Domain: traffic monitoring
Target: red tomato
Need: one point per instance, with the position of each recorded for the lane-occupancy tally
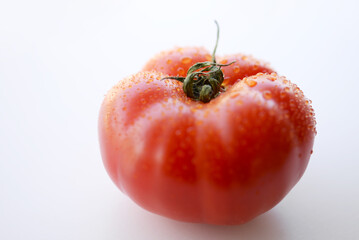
(221, 162)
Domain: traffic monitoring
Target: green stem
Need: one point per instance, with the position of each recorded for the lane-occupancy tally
(204, 79)
(215, 47)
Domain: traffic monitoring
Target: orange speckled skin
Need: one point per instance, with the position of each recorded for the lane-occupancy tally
(243, 66)
(223, 162)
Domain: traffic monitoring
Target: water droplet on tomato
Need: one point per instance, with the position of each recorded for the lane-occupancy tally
(267, 94)
(186, 60)
(224, 61)
(236, 69)
(286, 89)
(251, 83)
(271, 78)
(239, 102)
(169, 61)
(181, 71)
(234, 95)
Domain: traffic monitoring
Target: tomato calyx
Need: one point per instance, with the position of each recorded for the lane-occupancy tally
(204, 79)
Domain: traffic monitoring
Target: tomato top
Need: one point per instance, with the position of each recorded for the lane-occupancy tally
(177, 61)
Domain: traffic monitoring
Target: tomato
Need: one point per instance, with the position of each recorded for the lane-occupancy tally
(223, 161)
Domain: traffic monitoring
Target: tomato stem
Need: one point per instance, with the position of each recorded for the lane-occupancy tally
(204, 79)
(215, 47)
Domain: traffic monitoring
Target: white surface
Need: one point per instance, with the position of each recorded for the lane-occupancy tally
(59, 58)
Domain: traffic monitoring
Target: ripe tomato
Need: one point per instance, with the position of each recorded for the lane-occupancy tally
(221, 162)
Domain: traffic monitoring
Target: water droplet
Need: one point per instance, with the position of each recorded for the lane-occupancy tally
(286, 89)
(181, 71)
(224, 61)
(236, 69)
(169, 61)
(234, 95)
(251, 83)
(239, 102)
(271, 78)
(186, 60)
(149, 81)
(267, 94)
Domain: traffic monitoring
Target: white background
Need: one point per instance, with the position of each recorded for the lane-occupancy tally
(59, 58)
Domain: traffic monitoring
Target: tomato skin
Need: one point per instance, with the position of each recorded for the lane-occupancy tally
(243, 66)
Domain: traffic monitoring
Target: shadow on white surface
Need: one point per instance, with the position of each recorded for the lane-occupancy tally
(145, 225)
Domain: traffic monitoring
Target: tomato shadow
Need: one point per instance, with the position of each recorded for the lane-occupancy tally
(267, 226)
(141, 224)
